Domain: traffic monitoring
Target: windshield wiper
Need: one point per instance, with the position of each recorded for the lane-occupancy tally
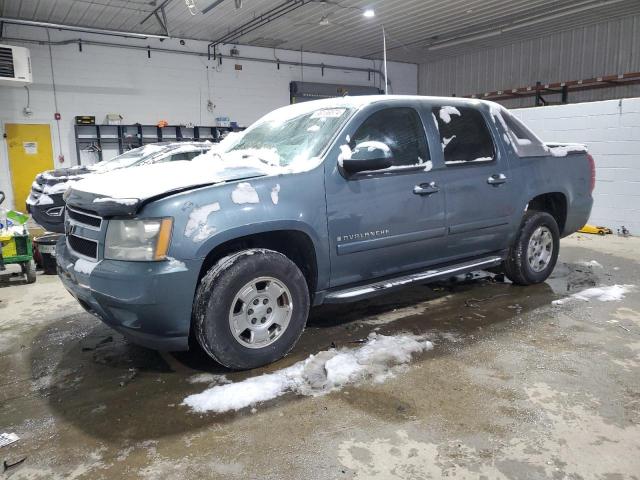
(263, 160)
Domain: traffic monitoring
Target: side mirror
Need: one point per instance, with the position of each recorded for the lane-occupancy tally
(368, 156)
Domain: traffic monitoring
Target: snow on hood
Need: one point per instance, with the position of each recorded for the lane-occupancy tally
(62, 174)
(149, 181)
(54, 182)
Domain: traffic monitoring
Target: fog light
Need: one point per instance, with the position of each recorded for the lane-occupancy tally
(55, 211)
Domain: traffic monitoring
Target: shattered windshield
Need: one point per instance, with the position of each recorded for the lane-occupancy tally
(129, 158)
(291, 136)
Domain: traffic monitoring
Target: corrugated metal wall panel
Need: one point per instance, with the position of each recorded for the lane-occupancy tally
(601, 49)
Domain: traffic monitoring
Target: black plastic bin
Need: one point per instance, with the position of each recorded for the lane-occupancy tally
(46, 246)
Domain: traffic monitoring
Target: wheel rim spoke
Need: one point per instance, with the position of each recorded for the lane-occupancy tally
(274, 290)
(247, 293)
(540, 249)
(260, 312)
(239, 322)
(259, 336)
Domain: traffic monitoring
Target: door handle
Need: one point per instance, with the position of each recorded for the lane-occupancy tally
(497, 179)
(426, 188)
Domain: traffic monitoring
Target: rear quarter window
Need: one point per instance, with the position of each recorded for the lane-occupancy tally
(464, 135)
(524, 141)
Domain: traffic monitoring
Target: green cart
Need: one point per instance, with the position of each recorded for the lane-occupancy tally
(15, 243)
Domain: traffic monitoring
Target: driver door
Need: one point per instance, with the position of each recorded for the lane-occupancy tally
(387, 221)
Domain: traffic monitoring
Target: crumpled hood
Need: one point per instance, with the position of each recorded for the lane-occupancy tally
(51, 177)
(51, 181)
(123, 192)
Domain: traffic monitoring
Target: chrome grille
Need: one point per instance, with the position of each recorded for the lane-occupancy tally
(84, 218)
(83, 246)
(83, 232)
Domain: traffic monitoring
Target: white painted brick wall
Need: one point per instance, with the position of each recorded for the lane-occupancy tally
(611, 131)
(172, 87)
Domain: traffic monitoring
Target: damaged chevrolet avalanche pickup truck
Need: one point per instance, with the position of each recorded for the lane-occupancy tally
(322, 202)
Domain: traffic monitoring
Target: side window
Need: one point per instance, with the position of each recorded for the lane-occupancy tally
(525, 142)
(464, 135)
(518, 130)
(401, 130)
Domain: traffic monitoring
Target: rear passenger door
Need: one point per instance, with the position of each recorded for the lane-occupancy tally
(476, 180)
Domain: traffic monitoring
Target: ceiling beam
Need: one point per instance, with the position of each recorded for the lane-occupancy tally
(259, 21)
(75, 28)
(159, 10)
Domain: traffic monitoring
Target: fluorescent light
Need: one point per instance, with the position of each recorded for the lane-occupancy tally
(458, 41)
(369, 13)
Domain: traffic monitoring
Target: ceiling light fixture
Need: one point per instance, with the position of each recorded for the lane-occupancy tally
(369, 13)
(191, 6)
(518, 25)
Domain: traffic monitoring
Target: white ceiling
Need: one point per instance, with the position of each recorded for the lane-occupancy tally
(417, 30)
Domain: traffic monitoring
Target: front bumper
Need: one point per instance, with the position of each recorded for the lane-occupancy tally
(148, 302)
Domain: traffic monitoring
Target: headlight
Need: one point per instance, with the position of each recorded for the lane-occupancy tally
(138, 240)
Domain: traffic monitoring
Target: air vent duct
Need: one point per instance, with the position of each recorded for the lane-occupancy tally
(15, 66)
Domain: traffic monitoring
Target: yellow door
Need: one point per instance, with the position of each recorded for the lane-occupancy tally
(30, 152)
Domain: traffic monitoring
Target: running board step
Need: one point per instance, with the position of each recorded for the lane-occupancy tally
(383, 286)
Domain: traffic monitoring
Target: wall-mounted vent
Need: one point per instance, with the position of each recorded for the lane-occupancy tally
(6, 63)
(15, 66)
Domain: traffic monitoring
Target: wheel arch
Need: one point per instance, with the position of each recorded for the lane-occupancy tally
(553, 203)
(294, 242)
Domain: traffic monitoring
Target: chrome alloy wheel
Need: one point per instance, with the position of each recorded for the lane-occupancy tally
(260, 312)
(540, 249)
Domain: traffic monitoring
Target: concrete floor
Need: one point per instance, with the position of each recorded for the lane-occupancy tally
(514, 388)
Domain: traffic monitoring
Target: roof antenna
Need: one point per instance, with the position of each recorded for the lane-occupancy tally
(384, 48)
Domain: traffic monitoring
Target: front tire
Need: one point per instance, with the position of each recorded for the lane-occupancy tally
(250, 308)
(534, 253)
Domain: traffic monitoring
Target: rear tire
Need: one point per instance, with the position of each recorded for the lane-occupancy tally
(250, 308)
(534, 253)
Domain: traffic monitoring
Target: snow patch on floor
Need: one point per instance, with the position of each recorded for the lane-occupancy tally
(197, 228)
(603, 294)
(375, 361)
(590, 263)
(208, 378)
(245, 193)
